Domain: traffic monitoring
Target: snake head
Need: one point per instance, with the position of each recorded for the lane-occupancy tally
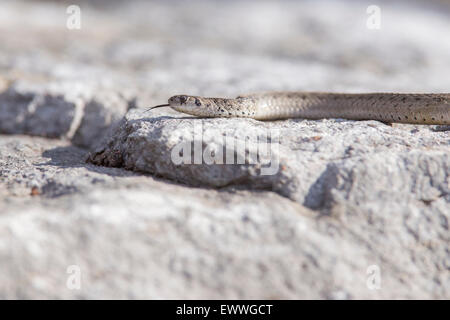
(193, 105)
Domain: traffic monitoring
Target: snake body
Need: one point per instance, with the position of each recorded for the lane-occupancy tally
(419, 108)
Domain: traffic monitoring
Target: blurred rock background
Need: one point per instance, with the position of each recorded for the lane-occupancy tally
(351, 195)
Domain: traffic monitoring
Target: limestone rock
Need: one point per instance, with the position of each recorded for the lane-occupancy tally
(353, 210)
(135, 236)
(316, 163)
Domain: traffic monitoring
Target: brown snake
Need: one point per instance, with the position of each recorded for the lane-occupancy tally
(420, 108)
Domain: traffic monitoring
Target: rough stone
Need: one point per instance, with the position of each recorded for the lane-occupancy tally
(351, 203)
(101, 114)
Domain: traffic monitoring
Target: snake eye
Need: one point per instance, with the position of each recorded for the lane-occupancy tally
(183, 99)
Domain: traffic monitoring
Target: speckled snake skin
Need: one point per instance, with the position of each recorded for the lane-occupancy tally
(418, 108)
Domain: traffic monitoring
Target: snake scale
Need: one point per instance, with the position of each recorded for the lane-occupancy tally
(420, 108)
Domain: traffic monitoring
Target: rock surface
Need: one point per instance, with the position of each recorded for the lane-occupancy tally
(347, 204)
(135, 236)
(60, 111)
(316, 163)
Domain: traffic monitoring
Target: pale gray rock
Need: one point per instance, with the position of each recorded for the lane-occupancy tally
(37, 114)
(81, 114)
(100, 115)
(352, 202)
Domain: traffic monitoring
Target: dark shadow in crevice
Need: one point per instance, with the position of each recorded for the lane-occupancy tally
(440, 128)
(74, 157)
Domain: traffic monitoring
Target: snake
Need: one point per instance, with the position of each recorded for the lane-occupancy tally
(414, 108)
